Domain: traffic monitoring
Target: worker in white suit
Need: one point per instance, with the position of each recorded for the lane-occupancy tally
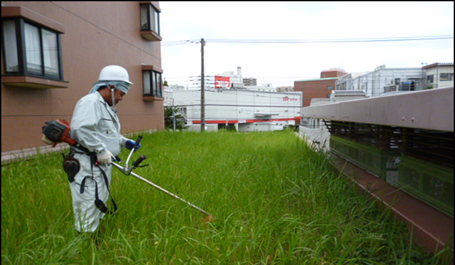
(96, 127)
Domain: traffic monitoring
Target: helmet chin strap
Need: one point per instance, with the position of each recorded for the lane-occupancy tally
(113, 100)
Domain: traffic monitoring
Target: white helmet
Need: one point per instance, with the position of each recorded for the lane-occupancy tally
(114, 73)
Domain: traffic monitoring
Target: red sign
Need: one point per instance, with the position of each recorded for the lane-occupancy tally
(289, 99)
(222, 81)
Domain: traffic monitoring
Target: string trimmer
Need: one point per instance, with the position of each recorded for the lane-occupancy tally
(57, 131)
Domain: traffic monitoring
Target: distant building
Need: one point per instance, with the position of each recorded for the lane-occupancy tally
(263, 87)
(244, 109)
(334, 72)
(285, 89)
(383, 80)
(250, 81)
(380, 82)
(224, 80)
(438, 75)
(195, 82)
(320, 87)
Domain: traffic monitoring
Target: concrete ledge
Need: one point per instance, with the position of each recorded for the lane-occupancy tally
(425, 109)
(10, 156)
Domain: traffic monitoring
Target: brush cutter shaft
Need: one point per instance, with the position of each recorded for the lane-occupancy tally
(161, 189)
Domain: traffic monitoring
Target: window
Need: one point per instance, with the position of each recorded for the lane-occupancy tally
(31, 50)
(153, 83)
(329, 87)
(10, 46)
(446, 77)
(430, 79)
(150, 22)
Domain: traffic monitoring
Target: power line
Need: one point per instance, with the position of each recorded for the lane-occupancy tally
(278, 41)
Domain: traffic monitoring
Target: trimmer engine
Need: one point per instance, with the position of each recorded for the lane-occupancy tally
(58, 131)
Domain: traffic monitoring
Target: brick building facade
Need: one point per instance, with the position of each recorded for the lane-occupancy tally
(318, 88)
(53, 52)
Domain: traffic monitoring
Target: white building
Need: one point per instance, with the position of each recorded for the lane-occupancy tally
(246, 110)
(439, 75)
(383, 80)
(224, 80)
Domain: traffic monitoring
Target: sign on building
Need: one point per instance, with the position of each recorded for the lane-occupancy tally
(222, 82)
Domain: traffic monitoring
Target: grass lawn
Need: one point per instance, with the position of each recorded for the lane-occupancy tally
(274, 201)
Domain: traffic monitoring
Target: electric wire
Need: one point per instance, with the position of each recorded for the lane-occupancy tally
(282, 41)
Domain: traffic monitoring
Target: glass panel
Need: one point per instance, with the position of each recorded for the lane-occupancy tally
(32, 49)
(160, 85)
(154, 83)
(10, 44)
(50, 52)
(144, 17)
(146, 77)
(446, 76)
(154, 20)
(157, 22)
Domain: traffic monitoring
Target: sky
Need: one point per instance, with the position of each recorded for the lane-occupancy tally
(298, 40)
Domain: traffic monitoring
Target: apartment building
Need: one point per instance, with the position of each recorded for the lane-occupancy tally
(53, 52)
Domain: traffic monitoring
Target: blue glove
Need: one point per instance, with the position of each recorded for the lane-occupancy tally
(130, 144)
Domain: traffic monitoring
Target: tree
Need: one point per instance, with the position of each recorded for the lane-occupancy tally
(171, 113)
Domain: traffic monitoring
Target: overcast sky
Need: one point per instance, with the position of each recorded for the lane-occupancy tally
(282, 63)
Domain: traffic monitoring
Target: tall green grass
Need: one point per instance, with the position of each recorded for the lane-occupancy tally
(274, 201)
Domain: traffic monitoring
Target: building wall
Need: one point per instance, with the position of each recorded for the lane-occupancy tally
(285, 88)
(435, 70)
(243, 108)
(250, 81)
(375, 83)
(96, 34)
(317, 88)
(333, 73)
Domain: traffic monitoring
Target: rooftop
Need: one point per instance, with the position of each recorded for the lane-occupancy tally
(317, 79)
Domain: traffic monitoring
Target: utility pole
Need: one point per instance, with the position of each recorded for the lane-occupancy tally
(202, 87)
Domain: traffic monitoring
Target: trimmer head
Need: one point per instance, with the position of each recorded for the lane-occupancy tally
(208, 219)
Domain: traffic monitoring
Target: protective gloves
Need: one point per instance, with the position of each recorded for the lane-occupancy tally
(105, 158)
(130, 144)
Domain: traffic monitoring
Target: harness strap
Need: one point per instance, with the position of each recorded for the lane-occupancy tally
(99, 203)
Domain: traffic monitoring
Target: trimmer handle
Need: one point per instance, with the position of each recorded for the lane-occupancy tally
(139, 160)
(139, 138)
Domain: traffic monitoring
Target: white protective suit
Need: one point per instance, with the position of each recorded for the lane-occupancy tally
(96, 127)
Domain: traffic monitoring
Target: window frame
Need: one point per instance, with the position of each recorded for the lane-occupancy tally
(22, 78)
(23, 68)
(149, 33)
(446, 77)
(154, 86)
